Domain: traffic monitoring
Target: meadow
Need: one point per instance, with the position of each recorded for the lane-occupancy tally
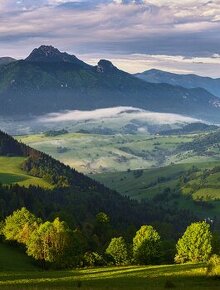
(147, 183)
(11, 172)
(95, 153)
(18, 272)
(194, 194)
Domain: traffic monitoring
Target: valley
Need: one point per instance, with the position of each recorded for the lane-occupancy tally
(96, 153)
(109, 145)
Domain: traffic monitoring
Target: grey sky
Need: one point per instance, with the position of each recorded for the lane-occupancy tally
(180, 36)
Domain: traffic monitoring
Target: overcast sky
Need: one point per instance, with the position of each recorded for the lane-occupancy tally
(174, 35)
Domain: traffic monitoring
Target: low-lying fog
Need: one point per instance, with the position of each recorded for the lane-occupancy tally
(110, 120)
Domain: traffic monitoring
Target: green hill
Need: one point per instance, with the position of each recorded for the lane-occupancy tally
(192, 186)
(75, 198)
(11, 172)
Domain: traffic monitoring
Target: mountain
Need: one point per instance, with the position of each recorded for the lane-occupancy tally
(49, 54)
(50, 81)
(6, 60)
(186, 80)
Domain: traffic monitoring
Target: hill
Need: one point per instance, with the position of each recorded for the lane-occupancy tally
(194, 187)
(185, 80)
(11, 173)
(75, 198)
(190, 129)
(50, 81)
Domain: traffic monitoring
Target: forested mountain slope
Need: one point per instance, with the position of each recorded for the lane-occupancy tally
(50, 81)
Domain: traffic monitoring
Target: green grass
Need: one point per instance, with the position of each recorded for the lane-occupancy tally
(18, 272)
(109, 153)
(11, 172)
(153, 181)
(14, 259)
(147, 185)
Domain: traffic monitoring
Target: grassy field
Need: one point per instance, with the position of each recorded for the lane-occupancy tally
(146, 184)
(111, 153)
(11, 172)
(18, 272)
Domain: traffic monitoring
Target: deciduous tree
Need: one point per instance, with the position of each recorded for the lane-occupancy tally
(146, 245)
(195, 245)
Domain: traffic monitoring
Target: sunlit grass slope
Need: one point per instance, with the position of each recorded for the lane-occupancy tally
(11, 173)
(185, 277)
(109, 153)
(146, 184)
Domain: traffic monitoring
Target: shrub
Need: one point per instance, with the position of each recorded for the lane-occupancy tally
(91, 259)
(213, 268)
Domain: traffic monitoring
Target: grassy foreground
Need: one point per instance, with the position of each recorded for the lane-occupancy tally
(151, 277)
(17, 271)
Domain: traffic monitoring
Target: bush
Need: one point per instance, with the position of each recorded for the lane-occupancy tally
(213, 268)
(91, 259)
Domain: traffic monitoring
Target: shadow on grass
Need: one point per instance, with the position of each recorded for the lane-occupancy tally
(152, 277)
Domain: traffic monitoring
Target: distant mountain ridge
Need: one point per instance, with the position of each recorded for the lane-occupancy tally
(185, 80)
(50, 81)
(6, 60)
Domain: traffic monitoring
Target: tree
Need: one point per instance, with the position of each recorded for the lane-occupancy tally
(102, 229)
(102, 218)
(20, 225)
(146, 245)
(195, 245)
(49, 242)
(117, 249)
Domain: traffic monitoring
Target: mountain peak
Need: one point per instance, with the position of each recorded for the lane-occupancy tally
(48, 53)
(105, 66)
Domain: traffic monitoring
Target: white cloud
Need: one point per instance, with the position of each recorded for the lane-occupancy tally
(117, 112)
(135, 63)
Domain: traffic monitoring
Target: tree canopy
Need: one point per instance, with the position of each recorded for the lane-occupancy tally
(118, 250)
(146, 245)
(195, 245)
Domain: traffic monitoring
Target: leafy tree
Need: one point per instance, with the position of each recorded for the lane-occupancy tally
(20, 225)
(102, 229)
(195, 245)
(49, 242)
(118, 250)
(146, 245)
(102, 218)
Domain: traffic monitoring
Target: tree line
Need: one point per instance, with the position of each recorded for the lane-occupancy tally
(54, 243)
